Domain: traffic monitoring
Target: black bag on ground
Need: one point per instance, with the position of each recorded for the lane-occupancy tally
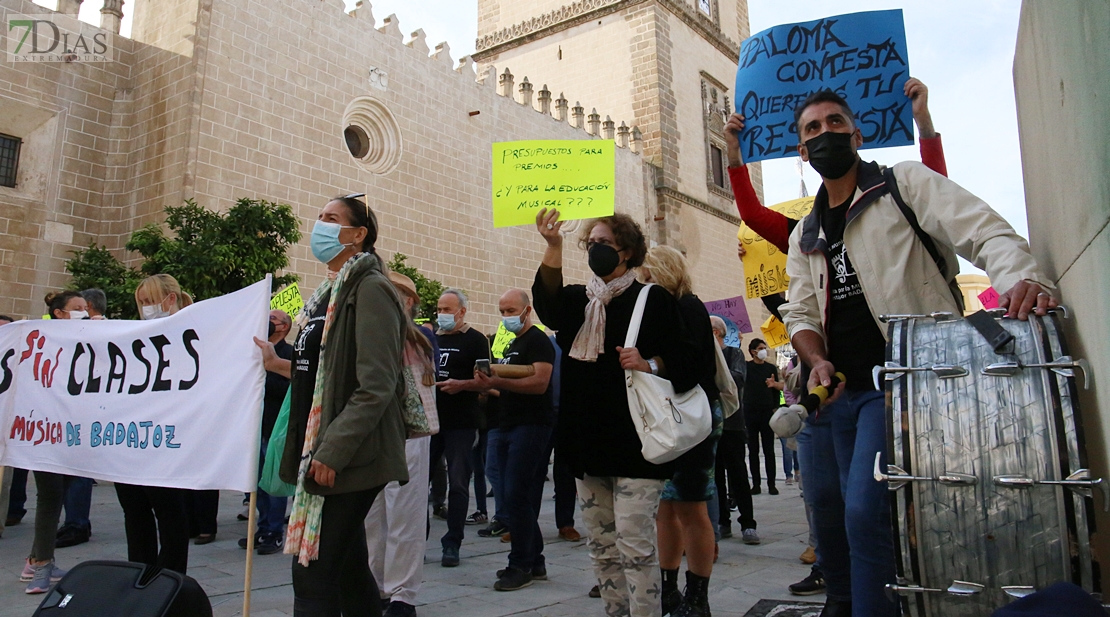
(124, 589)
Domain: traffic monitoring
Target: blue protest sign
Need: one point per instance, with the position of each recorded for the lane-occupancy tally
(861, 56)
(732, 332)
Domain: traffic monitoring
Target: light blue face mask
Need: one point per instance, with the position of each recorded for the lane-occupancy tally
(325, 240)
(514, 323)
(445, 321)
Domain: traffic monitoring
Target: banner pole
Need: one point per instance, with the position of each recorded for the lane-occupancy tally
(251, 523)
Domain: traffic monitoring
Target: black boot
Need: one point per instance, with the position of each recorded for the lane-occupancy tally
(671, 596)
(837, 608)
(695, 603)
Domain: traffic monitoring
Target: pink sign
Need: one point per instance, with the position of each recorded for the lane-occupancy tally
(989, 298)
(732, 309)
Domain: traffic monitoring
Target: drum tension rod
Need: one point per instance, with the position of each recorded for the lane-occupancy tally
(1079, 482)
(1064, 366)
(957, 588)
(942, 316)
(891, 371)
(897, 477)
(1019, 591)
(939, 316)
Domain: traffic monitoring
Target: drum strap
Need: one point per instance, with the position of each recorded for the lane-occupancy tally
(996, 336)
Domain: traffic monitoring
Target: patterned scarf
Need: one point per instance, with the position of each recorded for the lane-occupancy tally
(590, 340)
(303, 536)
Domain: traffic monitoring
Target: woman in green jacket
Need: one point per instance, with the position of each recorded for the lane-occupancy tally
(346, 436)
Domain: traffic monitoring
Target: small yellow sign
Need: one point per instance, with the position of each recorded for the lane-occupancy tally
(577, 177)
(502, 339)
(774, 332)
(765, 264)
(288, 300)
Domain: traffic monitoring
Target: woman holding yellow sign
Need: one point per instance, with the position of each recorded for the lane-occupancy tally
(618, 488)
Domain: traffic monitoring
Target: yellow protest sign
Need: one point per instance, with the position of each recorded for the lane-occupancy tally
(765, 264)
(502, 339)
(574, 176)
(288, 300)
(774, 332)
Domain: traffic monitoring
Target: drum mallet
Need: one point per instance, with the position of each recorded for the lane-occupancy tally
(788, 421)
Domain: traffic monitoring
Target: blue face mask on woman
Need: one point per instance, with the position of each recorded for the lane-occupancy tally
(325, 240)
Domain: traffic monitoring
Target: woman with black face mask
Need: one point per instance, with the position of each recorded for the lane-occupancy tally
(619, 490)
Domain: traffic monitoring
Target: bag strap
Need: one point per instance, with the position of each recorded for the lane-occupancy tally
(996, 336)
(924, 238)
(637, 316)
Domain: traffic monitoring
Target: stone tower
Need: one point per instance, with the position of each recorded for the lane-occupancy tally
(668, 65)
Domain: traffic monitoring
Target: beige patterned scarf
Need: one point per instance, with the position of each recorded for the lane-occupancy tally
(590, 340)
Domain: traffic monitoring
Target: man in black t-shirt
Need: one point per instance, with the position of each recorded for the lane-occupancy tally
(761, 398)
(523, 380)
(271, 510)
(460, 346)
(878, 242)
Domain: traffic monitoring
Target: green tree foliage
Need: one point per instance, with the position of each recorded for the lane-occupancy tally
(96, 267)
(429, 289)
(209, 253)
(212, 254)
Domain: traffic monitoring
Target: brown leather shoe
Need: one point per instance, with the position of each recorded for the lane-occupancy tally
(506, 538)
(570, 534)
(808, 556)
(204, 538)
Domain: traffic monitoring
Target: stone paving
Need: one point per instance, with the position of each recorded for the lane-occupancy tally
(744, 575)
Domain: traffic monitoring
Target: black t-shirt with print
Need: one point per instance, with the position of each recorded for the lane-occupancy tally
(306, 358)
(457, 353)
(516, 408)
(758, 396)
(856, 344)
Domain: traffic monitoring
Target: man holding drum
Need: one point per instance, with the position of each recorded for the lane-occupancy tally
(855, 257)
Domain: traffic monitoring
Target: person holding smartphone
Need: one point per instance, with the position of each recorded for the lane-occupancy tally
(523, 380)
(460, 346)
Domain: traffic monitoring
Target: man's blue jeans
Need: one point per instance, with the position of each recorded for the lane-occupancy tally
(78, 503)
(493, 472)
(523, 451)
(852, 510)
(271, 510)
(457, 444)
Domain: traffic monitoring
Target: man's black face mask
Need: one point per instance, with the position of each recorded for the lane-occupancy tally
(831, 155)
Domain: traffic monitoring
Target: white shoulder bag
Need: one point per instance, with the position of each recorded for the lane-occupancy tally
(668, 424)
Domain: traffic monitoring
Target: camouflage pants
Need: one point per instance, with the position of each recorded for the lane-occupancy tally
(619, 514)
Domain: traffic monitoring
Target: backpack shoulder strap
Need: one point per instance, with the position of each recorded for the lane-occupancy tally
(925, 239)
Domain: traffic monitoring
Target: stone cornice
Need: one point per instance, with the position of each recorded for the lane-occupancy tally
(580, 12)
(704, 26)
(669, 193)
(713, 80)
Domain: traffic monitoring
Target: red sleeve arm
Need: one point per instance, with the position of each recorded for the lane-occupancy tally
(771, 225)
(932, 155)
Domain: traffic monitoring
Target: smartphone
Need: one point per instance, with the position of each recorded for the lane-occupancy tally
(482, 366)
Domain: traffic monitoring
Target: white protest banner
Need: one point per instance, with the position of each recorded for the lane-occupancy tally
(174, 402)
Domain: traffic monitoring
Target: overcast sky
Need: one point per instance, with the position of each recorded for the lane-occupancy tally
(962, 50)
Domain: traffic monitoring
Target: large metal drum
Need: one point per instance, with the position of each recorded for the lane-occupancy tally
(991, 498)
